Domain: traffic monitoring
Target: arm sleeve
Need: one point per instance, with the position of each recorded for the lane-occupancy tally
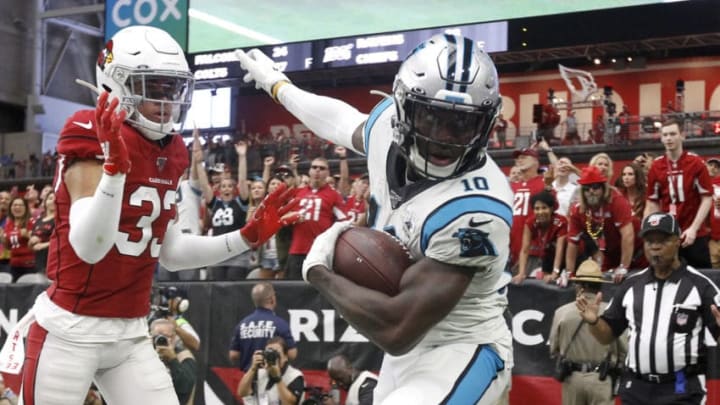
(365, 393)
(185, 251)
(614, 313)
(297, 387)
(94, 220)
(331, 119)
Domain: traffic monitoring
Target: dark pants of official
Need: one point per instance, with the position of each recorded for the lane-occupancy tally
(634, 391)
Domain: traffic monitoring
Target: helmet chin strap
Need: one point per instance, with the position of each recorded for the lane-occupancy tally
(149, 129)
(423, 166)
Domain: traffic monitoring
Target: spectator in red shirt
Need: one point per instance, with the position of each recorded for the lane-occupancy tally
(15, 237)
(320, 206)
(530, 183)
(679, 184)
(356, 205)
(713, 165)
(601, 223)
(43, 228)
(543, 244)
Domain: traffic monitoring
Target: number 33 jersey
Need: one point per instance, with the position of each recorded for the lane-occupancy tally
(463, 221)
(119, 284)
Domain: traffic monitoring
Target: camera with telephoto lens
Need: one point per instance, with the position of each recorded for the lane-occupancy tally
(314, 396)
(160, 340)
(271, 356)
(161, 300)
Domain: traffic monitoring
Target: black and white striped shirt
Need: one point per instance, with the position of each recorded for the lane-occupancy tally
(670, 320)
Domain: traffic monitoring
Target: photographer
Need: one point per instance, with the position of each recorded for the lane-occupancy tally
(181, 365)
(582, 364)
(270, 379)
(359, 385)
(170, 303)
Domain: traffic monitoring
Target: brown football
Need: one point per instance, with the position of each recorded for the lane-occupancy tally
(371, 258)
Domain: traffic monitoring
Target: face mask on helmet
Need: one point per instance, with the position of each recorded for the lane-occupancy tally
(146, 69)
(447, 99)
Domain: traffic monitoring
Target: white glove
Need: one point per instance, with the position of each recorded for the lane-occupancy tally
(322, 251)
(261, 69)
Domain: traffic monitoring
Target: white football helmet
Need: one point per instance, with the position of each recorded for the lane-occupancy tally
(447, 98)
(146, 69)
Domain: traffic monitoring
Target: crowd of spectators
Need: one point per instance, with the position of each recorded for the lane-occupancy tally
(564, 216)
(604, 210)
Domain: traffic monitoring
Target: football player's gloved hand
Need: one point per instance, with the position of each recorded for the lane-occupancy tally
(109, 122)
(261, 69)
(274, 212)
(322, 251)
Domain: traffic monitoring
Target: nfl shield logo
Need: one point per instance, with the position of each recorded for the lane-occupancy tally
(160, 163)
(681, 319)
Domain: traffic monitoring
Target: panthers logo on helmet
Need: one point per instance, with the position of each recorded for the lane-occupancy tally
(106, 55)
(474, 242)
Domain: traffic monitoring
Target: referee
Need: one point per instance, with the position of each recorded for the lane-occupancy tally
(667, 308)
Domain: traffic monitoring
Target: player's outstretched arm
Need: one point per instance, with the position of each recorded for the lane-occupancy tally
(181, 251)
(96, 188)
(396, 324)
(331, 119)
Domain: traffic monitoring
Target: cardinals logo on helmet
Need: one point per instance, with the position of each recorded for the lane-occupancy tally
(106, 55)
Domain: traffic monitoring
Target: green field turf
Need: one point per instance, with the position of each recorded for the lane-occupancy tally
(282, 21)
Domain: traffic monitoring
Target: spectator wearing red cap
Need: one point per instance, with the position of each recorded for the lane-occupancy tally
(530, 183)
(679, 184)
(601, 223)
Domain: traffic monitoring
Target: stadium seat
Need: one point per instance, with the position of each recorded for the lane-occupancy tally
(32, 278)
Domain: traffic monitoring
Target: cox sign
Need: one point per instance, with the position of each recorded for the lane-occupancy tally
(169, 15)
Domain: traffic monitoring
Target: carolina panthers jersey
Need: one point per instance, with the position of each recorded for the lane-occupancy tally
(463, 221)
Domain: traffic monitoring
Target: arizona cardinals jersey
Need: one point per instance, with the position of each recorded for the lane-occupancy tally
(463, 221)
(679, 187)
(522, 192)
(119, 284)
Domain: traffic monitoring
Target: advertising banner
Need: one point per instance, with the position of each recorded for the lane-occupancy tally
(215, 309)
(169, 15)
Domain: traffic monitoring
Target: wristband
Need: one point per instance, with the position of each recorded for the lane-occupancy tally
(273, 380)
(276, 88)
(594, 323)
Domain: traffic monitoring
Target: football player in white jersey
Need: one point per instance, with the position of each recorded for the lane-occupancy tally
(435, 188)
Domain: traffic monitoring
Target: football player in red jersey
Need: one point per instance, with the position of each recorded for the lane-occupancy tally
(679, 183)
(118, 171)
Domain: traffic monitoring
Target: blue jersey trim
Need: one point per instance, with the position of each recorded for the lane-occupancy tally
(374, 115)
(454, 209)
(476, 379)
